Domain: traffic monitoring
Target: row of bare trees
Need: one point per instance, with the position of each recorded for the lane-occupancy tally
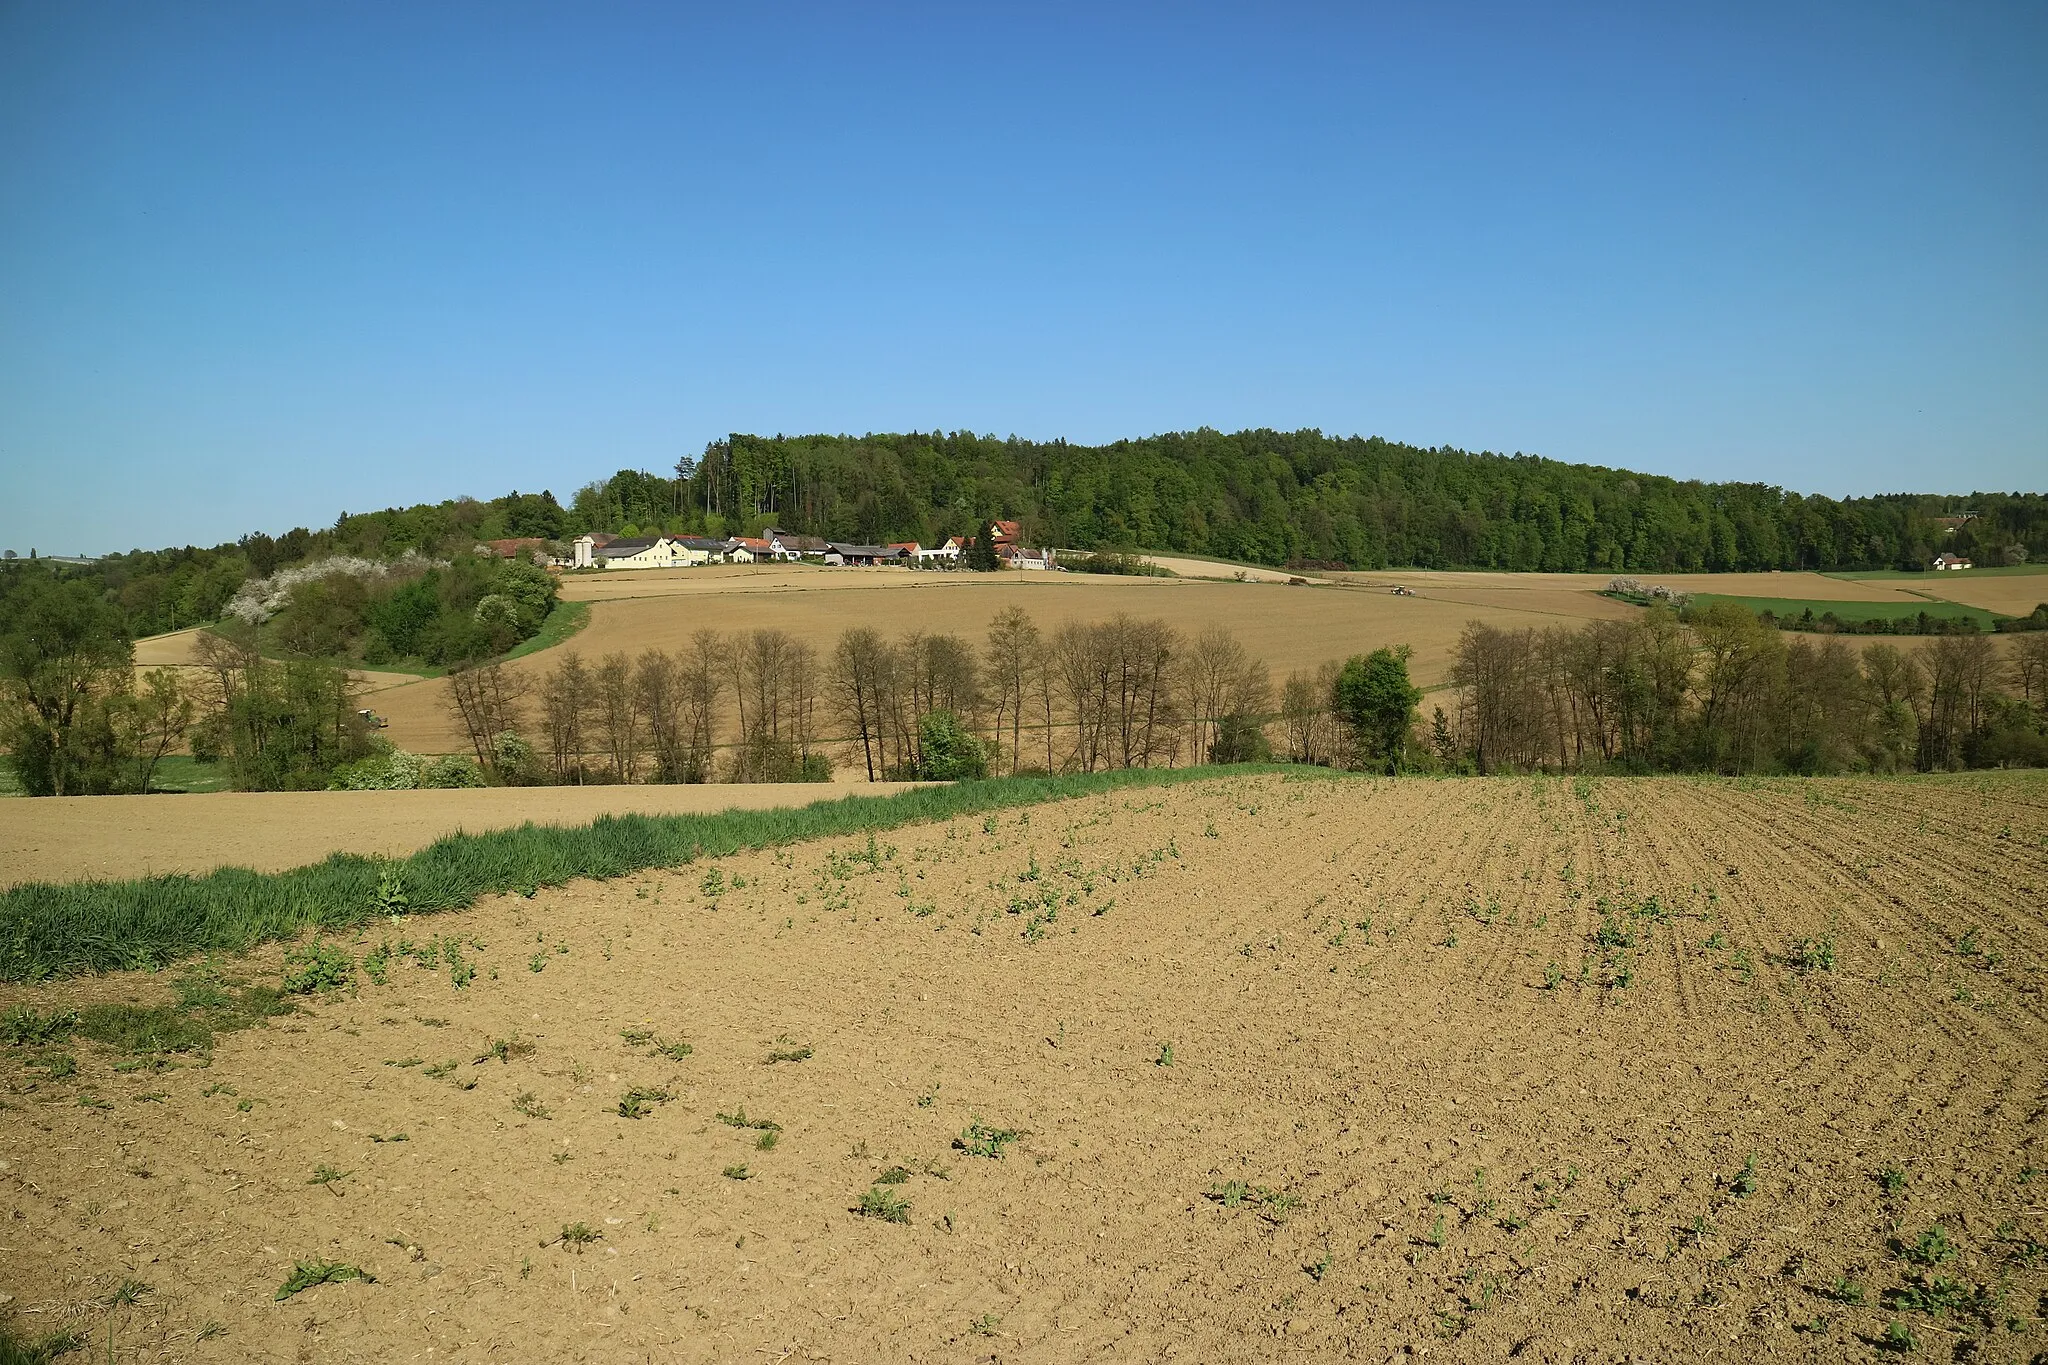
(1726, 692)
(1721, 692)
(757, 705)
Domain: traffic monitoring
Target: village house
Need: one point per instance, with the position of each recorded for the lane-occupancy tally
(747, 549)
(942, 556)
(700, 550)
(640, 552)
(794, 547)
(1017, 557)
(1942, 562)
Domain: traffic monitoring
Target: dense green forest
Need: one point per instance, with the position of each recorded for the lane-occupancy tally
(1274, 497)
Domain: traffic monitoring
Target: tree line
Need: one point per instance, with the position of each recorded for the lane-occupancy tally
(1722, 691)
(1715, 690)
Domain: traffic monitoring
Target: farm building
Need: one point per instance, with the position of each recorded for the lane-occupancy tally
(700, 550)
(1017, 557)
(1950, 562)
(583, 551)
(788, 546)
(747, 549)
(641, 552)
(837, 552)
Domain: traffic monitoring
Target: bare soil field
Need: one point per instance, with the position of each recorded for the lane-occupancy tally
(177, 650)
(2014, 595)
(1262, 1068)
(1288, 626)
(74, 838)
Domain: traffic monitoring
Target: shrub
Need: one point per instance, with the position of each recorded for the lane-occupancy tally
(947, 750)
(1240, 739)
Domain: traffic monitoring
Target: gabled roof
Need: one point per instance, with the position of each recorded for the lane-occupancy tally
(909, 547)
(805, 544)
(700, 543)
(622, 548)
(747, 542)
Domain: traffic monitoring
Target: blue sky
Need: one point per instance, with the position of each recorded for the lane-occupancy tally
(261, 263)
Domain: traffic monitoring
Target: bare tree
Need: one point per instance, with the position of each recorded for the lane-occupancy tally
(565, 712)
(618, 715)
(658, 693)
(1014, 655)
(704, 671)
(1500, 707)
(1221, 680)
(861, 666)
(2030, 668)
(486, 701)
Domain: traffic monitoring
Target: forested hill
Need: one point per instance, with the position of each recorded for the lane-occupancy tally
(1284, 497)
(1265, 496)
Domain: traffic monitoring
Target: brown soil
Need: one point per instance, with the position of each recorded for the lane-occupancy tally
(2008, 594)
(71, 838)
(1379, 1132)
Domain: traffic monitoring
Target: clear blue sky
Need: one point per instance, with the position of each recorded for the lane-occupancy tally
(263, 262)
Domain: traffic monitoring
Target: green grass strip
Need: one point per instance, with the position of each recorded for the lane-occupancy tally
(49, 930)
(563, 620)
(1789, 608)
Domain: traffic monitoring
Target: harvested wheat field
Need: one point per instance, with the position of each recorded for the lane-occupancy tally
(1289, 627)
(1301, 1067)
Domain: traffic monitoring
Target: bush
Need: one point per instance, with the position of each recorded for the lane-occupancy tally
(452, 770)
(397, 770)
(947, 750)
(1240, 739)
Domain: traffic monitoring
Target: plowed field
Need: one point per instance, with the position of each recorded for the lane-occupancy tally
(1256, 1068)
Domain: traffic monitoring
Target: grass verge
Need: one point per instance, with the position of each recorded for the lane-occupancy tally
(49, 930)
(563, 620)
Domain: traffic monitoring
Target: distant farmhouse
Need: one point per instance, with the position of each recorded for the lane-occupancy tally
(599, 550)
(1950, 562)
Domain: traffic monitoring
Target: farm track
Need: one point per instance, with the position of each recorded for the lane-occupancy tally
(1246, 1128)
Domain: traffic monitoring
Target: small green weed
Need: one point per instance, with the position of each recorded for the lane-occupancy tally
(317, 966)
(885, 1204)
(639, 1102)
(307, 1274)
(979, 1139)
